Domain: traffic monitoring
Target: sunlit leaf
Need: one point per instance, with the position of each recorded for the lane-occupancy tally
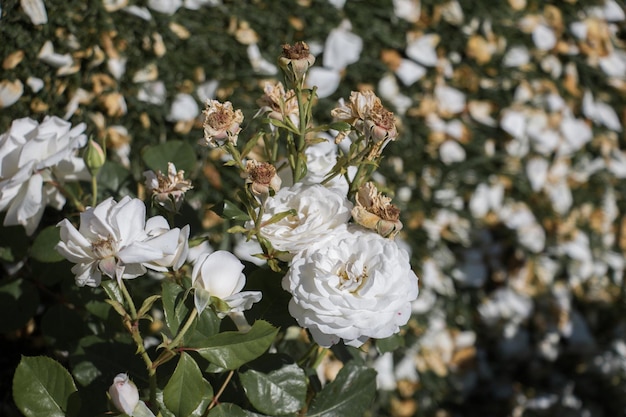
(42, 387)
(230, 350)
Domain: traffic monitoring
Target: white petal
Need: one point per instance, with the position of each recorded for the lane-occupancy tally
(614, 65)
(544, 37)
(260, 64)
(36, 11)
(167, 7)
(140, 12)
(613, 12)
(207, 90)
(184, 107)
(409, 72)
(514, 123)
(537, 172)
(10, 92)
(47, 55)
(326, 80)
(409, 10)
(517, 56)
(423, 50)
(342, 47)
(450, 152)
(449, 100)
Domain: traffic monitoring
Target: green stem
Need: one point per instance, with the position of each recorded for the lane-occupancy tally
(232, 149)
(69, 195)
(136, 335)
(179, 337)
(222, 388)
(94, 190)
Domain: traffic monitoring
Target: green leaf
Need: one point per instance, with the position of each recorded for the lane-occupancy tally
(232, 212)
(112, 178)
(147, 305)
(389, 344)
(278, 217)
(279, 392)
(173, 297)
(340, 126)
(178, 152)
(113, 291)
(19, 300)
(350, 394)
(230, 350)
(205, 326)
(43, 247)
(42, 387)
(185, 390)
(231, 410)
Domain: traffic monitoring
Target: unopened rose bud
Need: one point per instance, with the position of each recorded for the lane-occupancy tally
(295, 61)
(124, 394)
(94, 157)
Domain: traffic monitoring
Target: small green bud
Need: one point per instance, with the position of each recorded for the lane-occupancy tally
(94, 157)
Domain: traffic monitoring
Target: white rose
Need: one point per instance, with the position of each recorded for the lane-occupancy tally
(33, 156)
(353, 286)
(219, 274)
(114, 239)
(318, 213)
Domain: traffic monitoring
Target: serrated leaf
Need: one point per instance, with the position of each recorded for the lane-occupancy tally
(349, 395)
(43, 248)
(185, 390)
(279, 392)
(230, 350)
(178, 152)
(42, 387)
(233, 212)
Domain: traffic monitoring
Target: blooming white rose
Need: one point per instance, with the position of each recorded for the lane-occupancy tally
(352, 286)
(124, 394)
(33, 157)
(219, 274)
(318, 213)
(114, 239)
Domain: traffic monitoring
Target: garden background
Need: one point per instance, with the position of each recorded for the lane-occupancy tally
(509, 170)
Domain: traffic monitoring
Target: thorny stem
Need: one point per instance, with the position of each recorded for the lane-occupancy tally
(222, 388)
(168, 354)
(133, 328)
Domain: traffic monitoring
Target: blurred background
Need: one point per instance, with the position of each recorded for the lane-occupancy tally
(509, 169)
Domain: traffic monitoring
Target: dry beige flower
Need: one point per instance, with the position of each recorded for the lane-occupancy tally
(222, 123)
(262, 176)
(367, 114)
(374, 211)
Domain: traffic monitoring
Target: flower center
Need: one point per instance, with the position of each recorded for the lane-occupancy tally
(352, 277)
(104, 248)
(220, 119)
